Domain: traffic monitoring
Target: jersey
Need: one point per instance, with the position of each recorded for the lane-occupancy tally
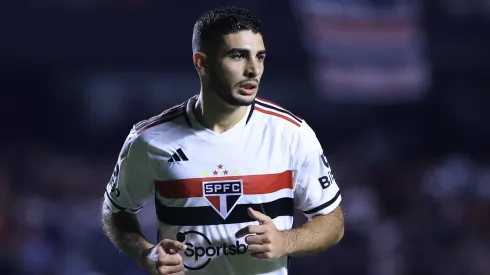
(203, 182)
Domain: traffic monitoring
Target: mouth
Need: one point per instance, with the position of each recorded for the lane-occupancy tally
(248, 88)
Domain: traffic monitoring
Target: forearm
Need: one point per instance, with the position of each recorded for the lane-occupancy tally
(124, 231)
(315, 235)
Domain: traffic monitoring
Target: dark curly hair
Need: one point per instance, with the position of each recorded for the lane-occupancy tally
(214, 24)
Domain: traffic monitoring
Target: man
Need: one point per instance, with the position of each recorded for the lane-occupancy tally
(226, 168)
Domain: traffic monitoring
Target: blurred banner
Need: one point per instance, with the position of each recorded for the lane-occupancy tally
(365, 51)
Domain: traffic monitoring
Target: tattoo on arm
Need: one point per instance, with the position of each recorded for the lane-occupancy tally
(124, 231)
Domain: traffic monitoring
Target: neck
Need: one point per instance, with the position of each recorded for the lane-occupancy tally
(217, 115)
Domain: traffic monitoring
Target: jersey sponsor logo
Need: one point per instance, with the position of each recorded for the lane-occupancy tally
(223, 195)
(200, 250)
(327, 180)
(113, 181)
(324, 160)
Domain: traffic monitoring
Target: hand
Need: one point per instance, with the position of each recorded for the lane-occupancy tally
(164, 259)
(268, 242)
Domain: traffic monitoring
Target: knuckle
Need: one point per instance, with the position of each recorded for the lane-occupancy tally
(162, 270)
(178, 258)
(267, 238)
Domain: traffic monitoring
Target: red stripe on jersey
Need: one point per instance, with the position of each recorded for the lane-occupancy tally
(159, 121)
(277, 115)
(276, 105)
(252, 185)
(161, 115)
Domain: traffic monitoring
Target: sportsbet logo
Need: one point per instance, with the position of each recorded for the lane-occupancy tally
(200, 251)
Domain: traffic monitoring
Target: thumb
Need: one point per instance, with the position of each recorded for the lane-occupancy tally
(172, 245)
(160, 250)
(258, 216)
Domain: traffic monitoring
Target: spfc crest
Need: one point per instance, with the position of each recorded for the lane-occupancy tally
(223, 195)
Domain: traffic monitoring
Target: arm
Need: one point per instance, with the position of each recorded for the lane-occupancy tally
(128, 190)
(316, 235)
(124, 231)
(317, 195)
(125, 195)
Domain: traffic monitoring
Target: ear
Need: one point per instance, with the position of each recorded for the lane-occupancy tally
(200, 62)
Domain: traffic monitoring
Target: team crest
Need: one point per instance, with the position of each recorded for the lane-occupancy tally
(223, 195)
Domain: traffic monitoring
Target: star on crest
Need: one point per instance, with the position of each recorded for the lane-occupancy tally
(221, 171)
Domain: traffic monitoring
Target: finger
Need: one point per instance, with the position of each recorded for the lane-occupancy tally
(172, 244)
(170, 251)
(257, 248)
(258, 216)
(169, 260)
(161, 251)
(254, 239)
(170, 269)
(261, 255)
(251, 229)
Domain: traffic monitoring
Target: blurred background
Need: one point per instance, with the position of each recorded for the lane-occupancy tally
(396, 90)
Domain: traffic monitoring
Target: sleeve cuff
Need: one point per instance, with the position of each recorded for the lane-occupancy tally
(325, 208)
(115, 207)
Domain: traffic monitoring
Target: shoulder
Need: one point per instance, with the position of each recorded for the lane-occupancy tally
(282, 120)
(164, 118)
(144, 131)
(275, 114)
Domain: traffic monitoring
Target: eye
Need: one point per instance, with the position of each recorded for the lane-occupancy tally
(261, 57)
(238, 56)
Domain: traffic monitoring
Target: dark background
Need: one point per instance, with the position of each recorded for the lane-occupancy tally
(397, 92)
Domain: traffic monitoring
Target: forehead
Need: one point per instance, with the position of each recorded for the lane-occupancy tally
(245, 40)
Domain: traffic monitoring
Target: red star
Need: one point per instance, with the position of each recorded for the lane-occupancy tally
(225, 172)
(215, 173)
(220, 166)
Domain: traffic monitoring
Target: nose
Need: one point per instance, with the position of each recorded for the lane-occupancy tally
(252, 69)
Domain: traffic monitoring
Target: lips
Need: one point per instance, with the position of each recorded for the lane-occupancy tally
(248, 88)
(248, 85)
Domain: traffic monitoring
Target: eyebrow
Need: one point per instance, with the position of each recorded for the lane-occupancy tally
(244, 51)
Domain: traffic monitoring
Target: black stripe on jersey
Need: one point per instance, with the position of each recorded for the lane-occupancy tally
(120, 208)
(205, 215)
(251, 111)
(162, 120)
(165, 115)
(323, 206)
(278, 109)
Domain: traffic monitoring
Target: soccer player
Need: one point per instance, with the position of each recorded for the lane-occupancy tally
(226, 169)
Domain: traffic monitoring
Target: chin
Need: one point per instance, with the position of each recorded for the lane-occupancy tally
(245, 100)
(238, 100)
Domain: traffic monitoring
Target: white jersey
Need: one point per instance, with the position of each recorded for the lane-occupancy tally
(204, 182)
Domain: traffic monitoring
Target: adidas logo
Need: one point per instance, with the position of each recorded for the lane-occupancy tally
(178, 156)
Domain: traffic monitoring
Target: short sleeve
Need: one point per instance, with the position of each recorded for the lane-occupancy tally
(130, 185)
(316, 191)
